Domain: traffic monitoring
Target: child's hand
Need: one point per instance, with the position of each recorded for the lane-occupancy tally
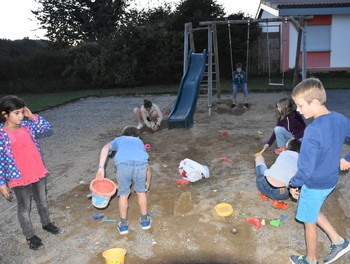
(344, 165)
(100, 174)
(266, 146)
(5, 191)
(155, 128)
(27, 113)
(147, 184)
(294, 192)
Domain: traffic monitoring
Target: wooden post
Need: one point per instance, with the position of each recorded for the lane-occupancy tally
(304, 58)
(190, 32)
(185, 48)
(297, 55)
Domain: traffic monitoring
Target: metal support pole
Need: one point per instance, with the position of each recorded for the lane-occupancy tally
(210, 67)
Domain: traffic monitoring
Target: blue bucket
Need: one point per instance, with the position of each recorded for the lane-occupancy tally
(100, 202)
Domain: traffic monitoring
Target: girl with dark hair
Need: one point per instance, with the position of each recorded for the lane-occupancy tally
(290, 124)
(21, 165)
(149, 114)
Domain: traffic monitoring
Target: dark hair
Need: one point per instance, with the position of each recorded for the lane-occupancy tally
(8, 104)
(131, 131)
(147, 104)
(286, 105)
(294, 145)
(238, 65)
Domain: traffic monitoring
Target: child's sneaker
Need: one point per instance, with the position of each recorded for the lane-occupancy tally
(280, 205)
(123, 228)
(139, 126)
(246, 106)
(50, 227)
(146, 224)
(300, 260)
(233, 106)
(35, 243)
(263, 196)
(336, 251)
(281, 149)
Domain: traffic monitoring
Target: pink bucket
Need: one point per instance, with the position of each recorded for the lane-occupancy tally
(102, 191)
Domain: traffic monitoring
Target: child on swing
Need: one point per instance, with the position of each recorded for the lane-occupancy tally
(239, 78)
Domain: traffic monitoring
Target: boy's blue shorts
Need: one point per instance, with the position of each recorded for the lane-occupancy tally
(310, 202)
(131, 172)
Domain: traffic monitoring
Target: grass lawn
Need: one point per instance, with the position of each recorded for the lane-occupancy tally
(37, 102)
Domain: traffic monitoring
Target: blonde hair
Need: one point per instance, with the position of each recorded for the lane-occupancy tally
(309, 89)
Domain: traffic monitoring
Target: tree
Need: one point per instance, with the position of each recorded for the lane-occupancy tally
(197, 10)
(75, 21)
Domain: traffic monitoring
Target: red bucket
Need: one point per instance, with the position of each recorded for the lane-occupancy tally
(103, 188)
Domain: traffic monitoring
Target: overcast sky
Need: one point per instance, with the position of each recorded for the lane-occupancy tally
(17, 21)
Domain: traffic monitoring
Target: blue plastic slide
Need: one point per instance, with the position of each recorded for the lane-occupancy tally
(182, 114)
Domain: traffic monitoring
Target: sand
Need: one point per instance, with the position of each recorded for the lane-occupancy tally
(185, 226)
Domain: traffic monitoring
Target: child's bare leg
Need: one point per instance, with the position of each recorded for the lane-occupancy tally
(154, 116)
(259, 160)
(123, 206)
(311, 241)
(137, 113)
(142, 200)
(323, 222)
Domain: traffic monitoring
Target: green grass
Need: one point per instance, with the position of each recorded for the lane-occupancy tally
(37, 102)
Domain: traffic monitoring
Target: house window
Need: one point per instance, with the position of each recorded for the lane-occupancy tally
(318, 38)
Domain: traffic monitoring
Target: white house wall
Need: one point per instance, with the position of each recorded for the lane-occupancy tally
(340, 41)
(273, 26)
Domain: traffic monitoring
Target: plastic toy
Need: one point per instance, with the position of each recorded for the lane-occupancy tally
(182, 182)
(260, 153)
(224, 209)
(255, 222)
(147, 146)
(226, 159)
(109, 220)
(225, 133)
(97, 216)
(260, 133)
(277, 222)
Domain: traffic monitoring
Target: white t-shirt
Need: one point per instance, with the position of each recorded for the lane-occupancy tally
(285, 167)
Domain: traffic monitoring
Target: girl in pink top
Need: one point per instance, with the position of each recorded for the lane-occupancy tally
(21, 165)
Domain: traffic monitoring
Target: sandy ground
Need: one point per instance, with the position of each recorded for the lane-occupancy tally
(185, 227)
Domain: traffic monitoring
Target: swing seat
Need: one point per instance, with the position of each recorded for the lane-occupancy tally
(276, 84)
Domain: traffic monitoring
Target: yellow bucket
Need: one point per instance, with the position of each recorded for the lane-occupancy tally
(114, 255)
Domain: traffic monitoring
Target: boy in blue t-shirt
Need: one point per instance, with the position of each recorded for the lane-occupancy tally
(318, 168)
(239, 78)
(131, 164)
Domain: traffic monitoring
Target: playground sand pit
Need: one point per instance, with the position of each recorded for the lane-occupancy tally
(185, 227)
